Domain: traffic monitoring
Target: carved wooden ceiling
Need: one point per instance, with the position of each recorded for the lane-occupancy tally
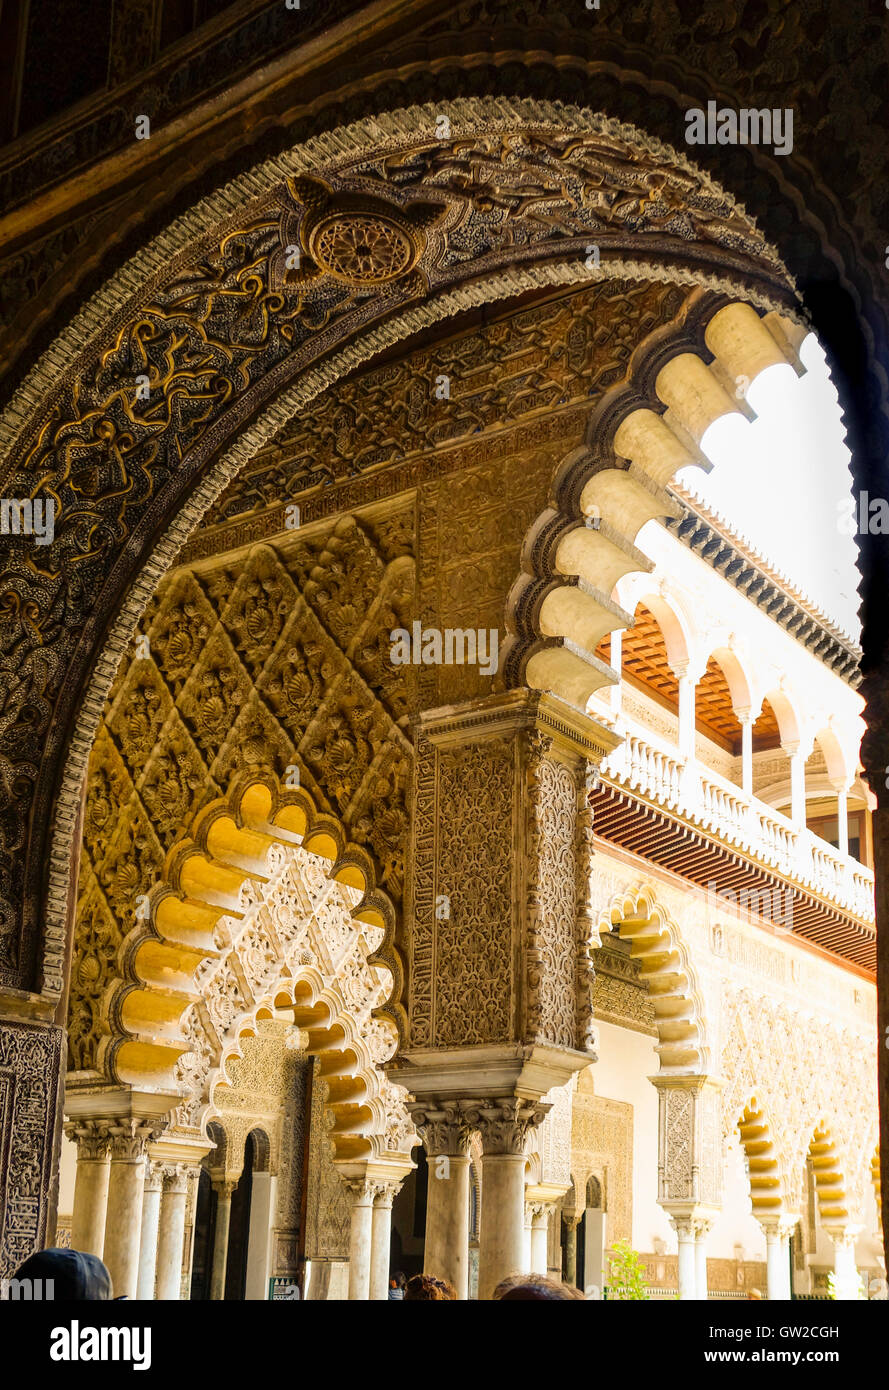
(644, 664)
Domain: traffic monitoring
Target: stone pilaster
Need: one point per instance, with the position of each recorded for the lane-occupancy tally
(501, 973)
(690, 1169)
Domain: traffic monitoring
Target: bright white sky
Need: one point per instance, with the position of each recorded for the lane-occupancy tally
(779, 481)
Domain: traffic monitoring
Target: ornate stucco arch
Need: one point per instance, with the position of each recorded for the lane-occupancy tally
(638, 437)
(249, 863)
(665, 968)
(233, 341)
(800, 1067)
(764, 1162)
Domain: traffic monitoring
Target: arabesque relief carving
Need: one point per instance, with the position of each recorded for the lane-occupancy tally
(275, 662)
(215, 336)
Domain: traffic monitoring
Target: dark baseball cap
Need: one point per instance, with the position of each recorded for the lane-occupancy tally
(74, 1275)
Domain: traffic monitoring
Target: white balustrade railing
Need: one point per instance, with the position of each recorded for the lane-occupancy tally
(645, 764)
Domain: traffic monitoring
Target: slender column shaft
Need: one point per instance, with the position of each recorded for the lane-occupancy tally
(151, 1200)
(844, 1267)
(687, 685)
(90, 1187)
(701, 1261)
(778, 1231)
(361, 1238)
(224, 1192)
(171, 1234)
(123, 1227)
(843, 820)
(571, 1250)
(381, 1230)
(747, 755)
(446, 1250)
(501, 1238)
(797, 785)
(687, 1263)
(616, 662)
(539, 1235)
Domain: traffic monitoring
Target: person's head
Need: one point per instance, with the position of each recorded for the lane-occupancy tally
(535, 1288)
(75, 1276)
(398, 1279)
(754, 1293)
(424, 1288)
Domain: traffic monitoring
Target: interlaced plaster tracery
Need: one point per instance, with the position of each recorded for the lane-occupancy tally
(295, 939)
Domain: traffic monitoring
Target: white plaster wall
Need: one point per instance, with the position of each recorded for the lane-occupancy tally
(736, 1224)
(626, 1060)
(67, 1175)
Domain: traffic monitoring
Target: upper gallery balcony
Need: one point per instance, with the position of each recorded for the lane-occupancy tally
(734, 725)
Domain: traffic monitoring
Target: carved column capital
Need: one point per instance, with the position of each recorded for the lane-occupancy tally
(130, 1139)
(505, 1124)
(361, 1190)
(778, 1225)
(92, 1137)
(442, 1126)
(386, 1192)
(154, 1176)
(224, 1187)
(175, 1178)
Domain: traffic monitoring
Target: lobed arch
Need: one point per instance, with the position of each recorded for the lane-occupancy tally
(667, 973)
(768, 1189)
(829, 1171)
(210, 877)
(639, 436)
(73, 404)
(367, 1117)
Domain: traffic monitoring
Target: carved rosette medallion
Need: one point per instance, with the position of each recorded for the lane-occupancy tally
(356, 239)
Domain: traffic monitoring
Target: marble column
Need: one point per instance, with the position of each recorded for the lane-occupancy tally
(539, 1234)
(571, 1250)
(616, 665)
(684, 1226)
(845, 1272)
(687, 686)
(381, 1232)
(505, 1125)
(778, 1229)
(746, 721)
(151, 1201)
(797, 783)
(702, 1231)
(526, 1240)
(126, 1182)
(362, 1192)
(171, 1233)
(223, 1187)
(446, 1138)
(842, 793)
(91, 1185)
